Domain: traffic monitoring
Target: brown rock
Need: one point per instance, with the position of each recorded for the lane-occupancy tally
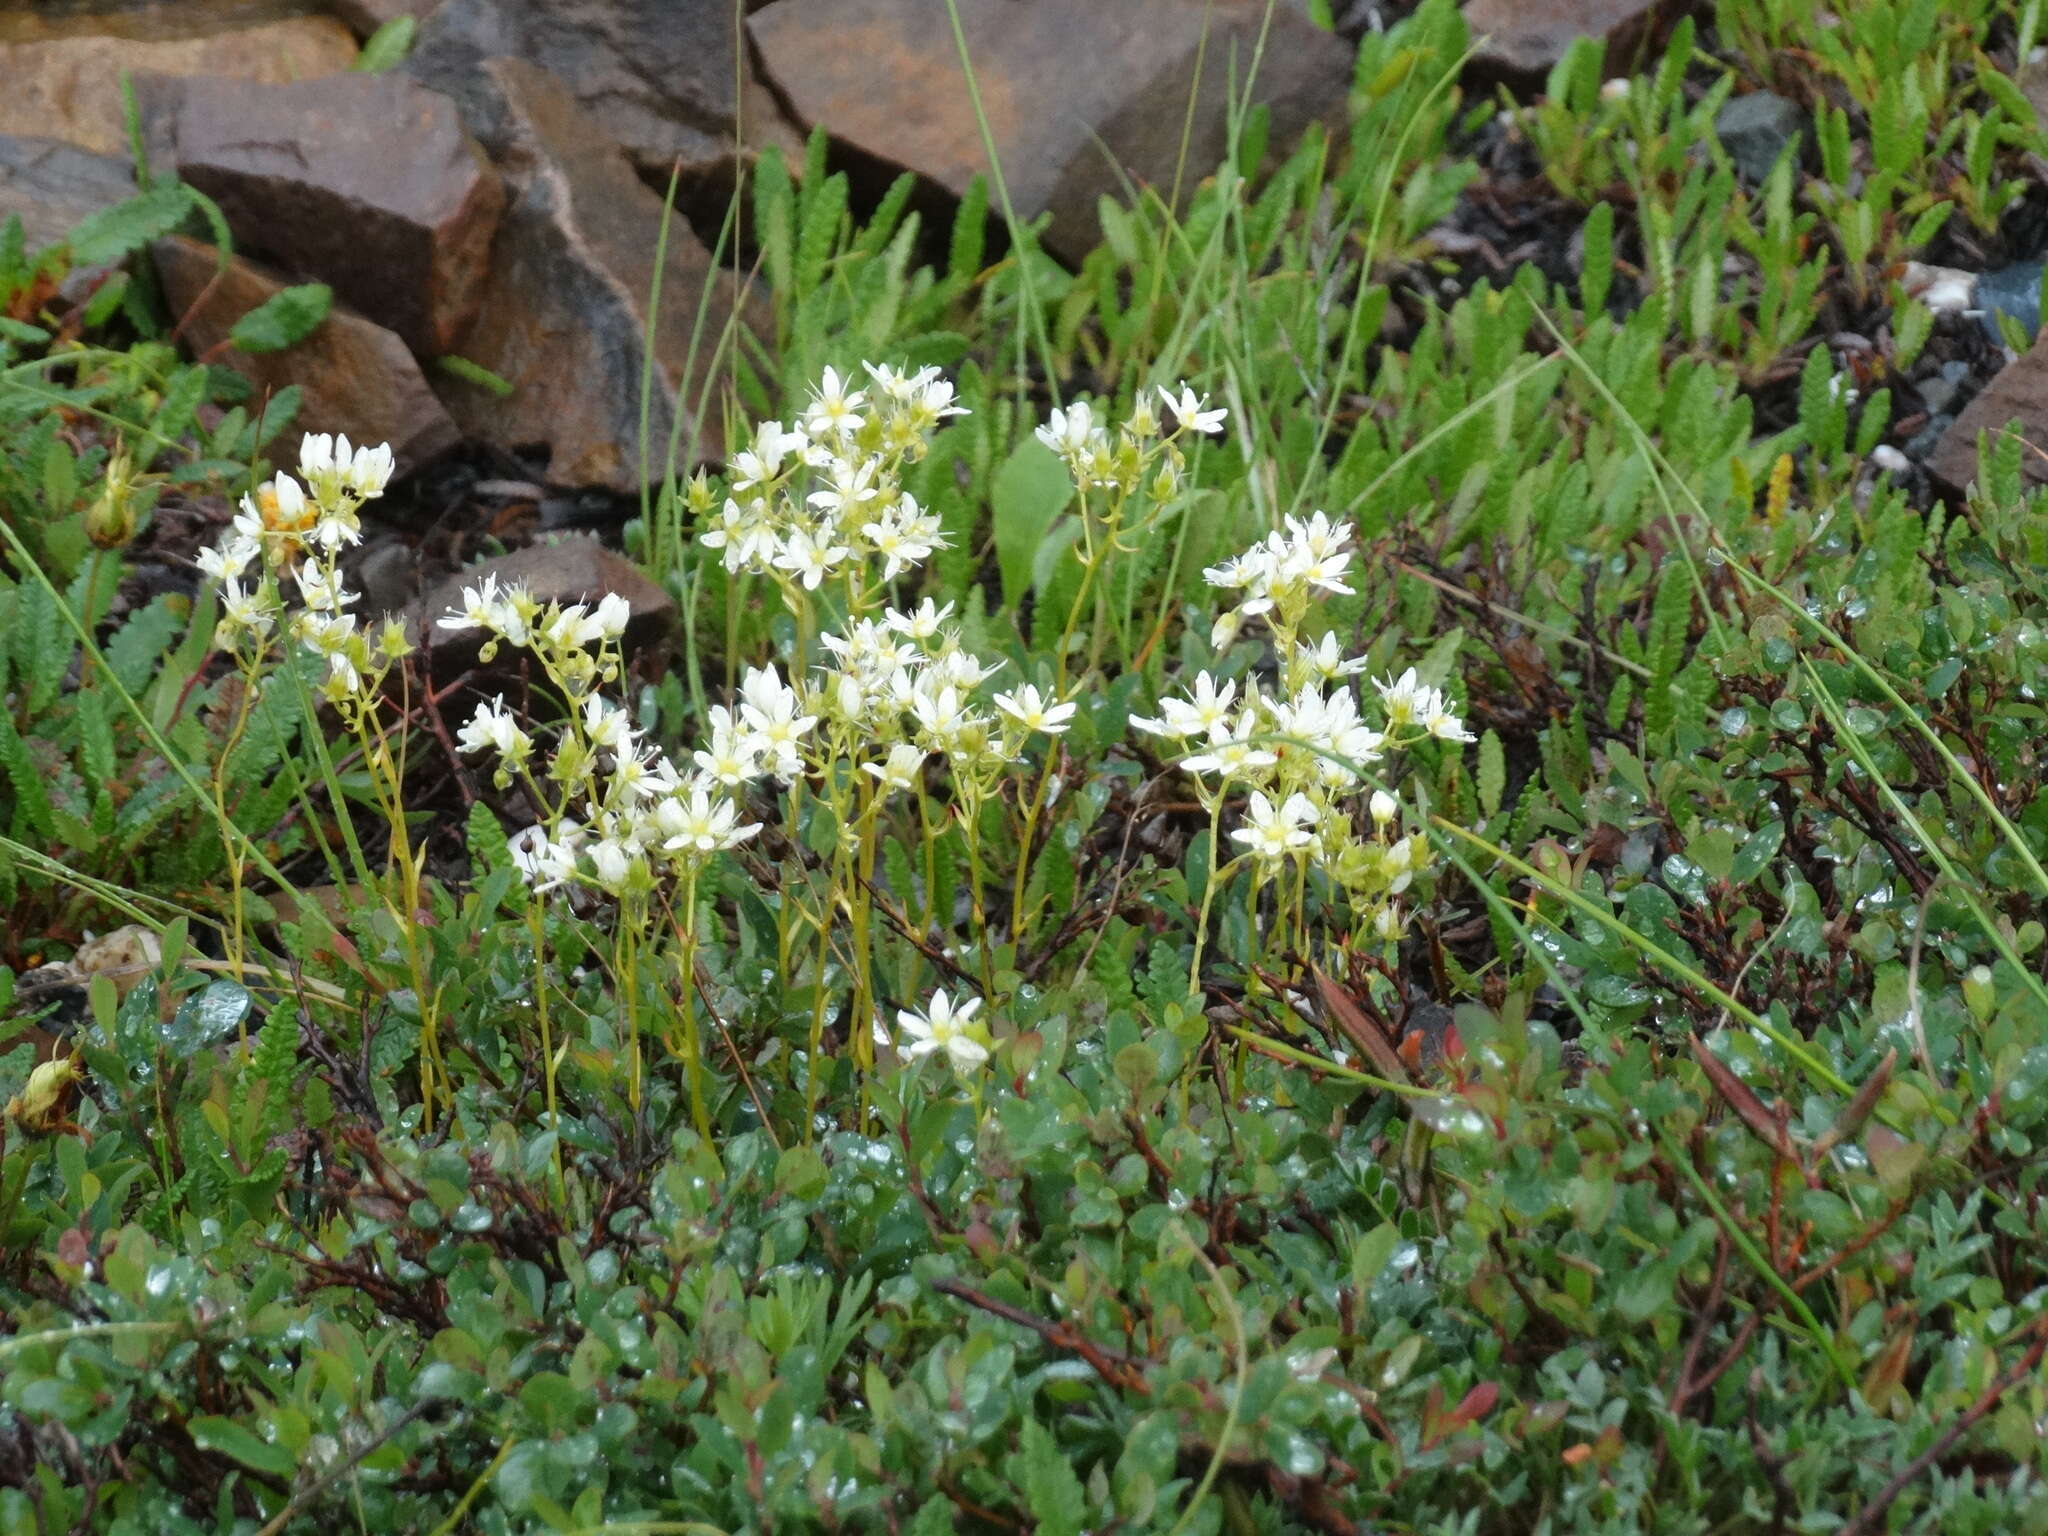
(658, 76)
(576, 570)
(1079, 93)
(366, 182)
(565, 311)
(50, 186)
(364, 17)
(1522, 39)
(69, 86)
(356, 376)
(2019, 393)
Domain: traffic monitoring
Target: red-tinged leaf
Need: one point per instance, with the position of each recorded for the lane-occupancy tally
(1361, 1031)
(1454, 1044)
(1852, 1118)
(1475, 1405)
(1745, 1103)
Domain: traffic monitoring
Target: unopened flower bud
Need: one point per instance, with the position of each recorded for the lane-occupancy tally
(1384, 807)
(110, 520)
(697, 494)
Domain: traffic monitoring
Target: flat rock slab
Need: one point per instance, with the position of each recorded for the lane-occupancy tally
(357, 377)
(564, 317)
(368, 183)
(1080, 94)
(1524, 38)
(69, 87)
(51, 186)
(658, 76)
(2017, 394)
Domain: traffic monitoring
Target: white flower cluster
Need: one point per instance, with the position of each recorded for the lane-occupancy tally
(1301, 751)
(824, 497)
(288, 532)
(616, 813)
(1282, 574)
(902, 687)
(894, 687)
(1095, 460)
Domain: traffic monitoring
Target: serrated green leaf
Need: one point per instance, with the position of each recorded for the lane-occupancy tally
(284, 319)
(112, 233)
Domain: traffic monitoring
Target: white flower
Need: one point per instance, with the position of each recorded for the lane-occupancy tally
(288, 497)
(700, 824)
(1446, 726)
(899, 770)
(543, 864)
(1273, 833)
(902, 546)
(921, 625)
(610, 862)
(250, 610)
(479, 608)
(1231, 752)
(730, 757)
(963, 669)
(1203, 715)
(607, 725)
(370, 471)
(1384, 807)
(1029, 709)
(770, 709)
(1193, 412)
(229, 561)
(1070, 432)
(834, 410)
(320, 588)
(613, 613)
(810, 557)
(1409, 701)
(1324, 660)
(762, 463)
(943, 1027)
(493, 726)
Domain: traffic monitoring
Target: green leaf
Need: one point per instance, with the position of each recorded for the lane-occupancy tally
(1051, 1491)
(212, 1432)
(284, 319)
(112, 233)
(1029, 492)
(1493, 772)
(489, 847)
(386, 46)
(474, 373)
(1597, 271)
(970, 232)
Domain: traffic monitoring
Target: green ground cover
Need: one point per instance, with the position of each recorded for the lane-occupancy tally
(1273, 884)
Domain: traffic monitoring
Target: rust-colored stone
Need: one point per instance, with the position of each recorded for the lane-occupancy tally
(2018, 394)
(366, 182)
(564, 318)
(1519, 40)
(356, 376)
(1079, 94)
(68, 86)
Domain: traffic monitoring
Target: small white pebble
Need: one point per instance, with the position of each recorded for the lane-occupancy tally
(1884, 456)
(1945, 290)
(1614, 90)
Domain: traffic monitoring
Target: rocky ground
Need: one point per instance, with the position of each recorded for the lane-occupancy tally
(487, 210)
